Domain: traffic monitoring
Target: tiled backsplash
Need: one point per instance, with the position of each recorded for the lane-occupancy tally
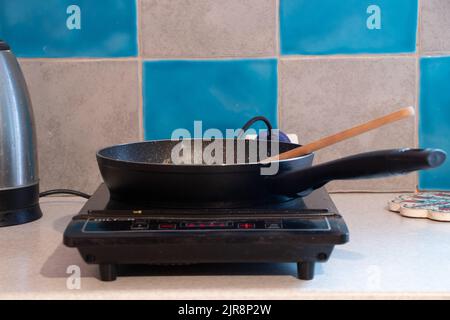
(222, 93)
(66, 28)
(115, 71)
(348, 26)
(434, 122)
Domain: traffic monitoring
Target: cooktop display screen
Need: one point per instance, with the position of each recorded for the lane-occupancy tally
(95, 225)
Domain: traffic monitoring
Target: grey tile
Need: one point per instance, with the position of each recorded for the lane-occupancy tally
(80, 107)
(323, 96)
(435, 26)
(208, 28)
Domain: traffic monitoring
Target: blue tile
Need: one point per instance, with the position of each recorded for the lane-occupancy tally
(69, 28)
(224, 94)
(316, 27)
(434, 118)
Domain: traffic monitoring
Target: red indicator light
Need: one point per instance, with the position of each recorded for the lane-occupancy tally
(246, 225)
(167, 226)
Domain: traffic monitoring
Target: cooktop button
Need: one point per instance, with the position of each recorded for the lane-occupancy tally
(273, 225)
(246, 225)
(139, 225)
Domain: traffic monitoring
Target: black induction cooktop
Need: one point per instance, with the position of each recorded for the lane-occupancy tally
(110, 233)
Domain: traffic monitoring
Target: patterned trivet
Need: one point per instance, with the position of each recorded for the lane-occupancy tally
(431, 205)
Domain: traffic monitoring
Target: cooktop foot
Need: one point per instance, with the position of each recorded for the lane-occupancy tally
(305, 270)
(108, 272)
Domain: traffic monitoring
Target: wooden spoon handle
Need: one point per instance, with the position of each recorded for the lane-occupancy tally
(343, 135)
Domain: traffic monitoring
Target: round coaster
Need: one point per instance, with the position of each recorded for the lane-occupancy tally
(431, 205)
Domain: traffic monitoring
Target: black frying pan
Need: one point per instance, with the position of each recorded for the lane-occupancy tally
(141, 172)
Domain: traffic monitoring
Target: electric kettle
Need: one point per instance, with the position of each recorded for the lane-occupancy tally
(19, 183)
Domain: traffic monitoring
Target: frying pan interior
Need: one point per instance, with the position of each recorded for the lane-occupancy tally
(195, 151)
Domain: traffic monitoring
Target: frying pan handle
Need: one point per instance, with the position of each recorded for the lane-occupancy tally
(360, 166)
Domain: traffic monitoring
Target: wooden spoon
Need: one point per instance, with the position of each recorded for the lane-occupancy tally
(343, 135)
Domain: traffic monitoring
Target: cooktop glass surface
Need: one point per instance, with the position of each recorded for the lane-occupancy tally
(316, 203)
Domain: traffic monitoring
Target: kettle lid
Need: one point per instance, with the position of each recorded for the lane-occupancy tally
(3, 45)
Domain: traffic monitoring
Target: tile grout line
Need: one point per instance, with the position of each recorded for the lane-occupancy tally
(140, 71)
(435, 54)
(417, 84)
(208, 58)
(348, 56)
(277, 29)
(278, 57)
(75, 59)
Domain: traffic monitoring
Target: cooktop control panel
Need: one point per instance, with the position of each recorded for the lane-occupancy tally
(96, 225)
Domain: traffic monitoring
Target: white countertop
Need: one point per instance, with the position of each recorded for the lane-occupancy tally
(388, 256)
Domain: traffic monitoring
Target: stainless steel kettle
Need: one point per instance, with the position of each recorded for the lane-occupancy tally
(19, 183)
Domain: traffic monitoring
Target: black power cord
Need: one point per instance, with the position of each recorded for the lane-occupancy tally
(250, 122)
(64, 191)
